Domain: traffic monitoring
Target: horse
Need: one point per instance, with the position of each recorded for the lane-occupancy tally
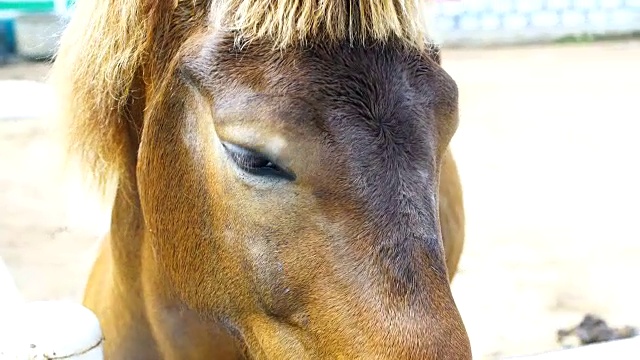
(284, 185)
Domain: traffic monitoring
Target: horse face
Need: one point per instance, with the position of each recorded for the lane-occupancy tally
(293, 199)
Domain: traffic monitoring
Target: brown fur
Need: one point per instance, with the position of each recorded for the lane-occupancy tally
(108, 41)
(344, 260)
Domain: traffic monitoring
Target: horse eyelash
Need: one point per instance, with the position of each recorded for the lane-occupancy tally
(244, 160)
(242, 156)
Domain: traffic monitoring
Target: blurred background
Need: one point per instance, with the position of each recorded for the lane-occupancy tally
(547, 149)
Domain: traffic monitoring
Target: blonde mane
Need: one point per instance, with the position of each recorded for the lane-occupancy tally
(286, 22)
(109, 43)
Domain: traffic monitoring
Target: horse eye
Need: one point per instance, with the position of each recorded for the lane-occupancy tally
(254, 163)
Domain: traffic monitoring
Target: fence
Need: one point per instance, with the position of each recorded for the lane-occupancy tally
(453, 22)
(482, 22)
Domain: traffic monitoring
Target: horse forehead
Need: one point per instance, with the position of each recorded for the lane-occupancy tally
(374, 82)
(378, 102)
(375, 102)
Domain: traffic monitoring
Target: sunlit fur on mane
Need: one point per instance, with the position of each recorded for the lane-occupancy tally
(108, 43)
(286, 22)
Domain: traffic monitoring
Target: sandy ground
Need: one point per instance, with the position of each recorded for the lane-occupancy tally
(547, 149)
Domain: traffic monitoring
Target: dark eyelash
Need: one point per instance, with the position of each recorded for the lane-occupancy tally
(251, 161)
(255, 163)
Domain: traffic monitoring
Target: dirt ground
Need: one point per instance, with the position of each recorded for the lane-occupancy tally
(546, 149)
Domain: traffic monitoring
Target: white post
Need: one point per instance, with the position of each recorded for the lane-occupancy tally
(9, 294)
(45, 330)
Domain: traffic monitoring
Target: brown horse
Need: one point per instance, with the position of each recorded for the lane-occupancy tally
(284, 184)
